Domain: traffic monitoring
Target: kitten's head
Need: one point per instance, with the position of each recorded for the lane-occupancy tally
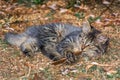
(95, 41)
(88, 42)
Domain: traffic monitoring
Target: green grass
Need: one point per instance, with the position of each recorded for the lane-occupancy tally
(79, 15)
(31, 1)
(47, 73)
(3, 44)
(50, 15)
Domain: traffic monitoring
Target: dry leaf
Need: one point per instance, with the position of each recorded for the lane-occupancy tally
(84, 76)
(106, 2)
(53, 6)
(59, 61)
(89, 66)
(63, 10)
(111, 72)
(2, 21)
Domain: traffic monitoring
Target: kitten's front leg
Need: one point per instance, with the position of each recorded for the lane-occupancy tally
(70, 57)
(56, 55)
(49, 50)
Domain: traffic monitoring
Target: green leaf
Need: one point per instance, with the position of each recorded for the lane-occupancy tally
(71, 3)
(92, 19)
(38, 1)
(109, 76)
(79, 15)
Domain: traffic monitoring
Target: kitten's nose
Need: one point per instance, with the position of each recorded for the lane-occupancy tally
(77, 51)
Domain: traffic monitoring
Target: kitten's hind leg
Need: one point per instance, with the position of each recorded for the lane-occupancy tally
(30, 46)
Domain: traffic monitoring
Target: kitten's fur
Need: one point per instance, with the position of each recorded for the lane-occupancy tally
(55, 39)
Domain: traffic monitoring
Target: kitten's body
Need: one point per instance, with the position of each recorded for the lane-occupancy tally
(42, 38)
(54, 40)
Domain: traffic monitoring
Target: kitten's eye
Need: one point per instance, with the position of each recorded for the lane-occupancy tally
(67, 40)
(79, 35)
(35, 48)
(53, 39)
(46, 29)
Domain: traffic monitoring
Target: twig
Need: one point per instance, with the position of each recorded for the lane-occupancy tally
(59, 61)
(27, 75)
(107, 8)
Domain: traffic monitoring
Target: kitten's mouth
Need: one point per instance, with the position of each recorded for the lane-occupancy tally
(78, 52)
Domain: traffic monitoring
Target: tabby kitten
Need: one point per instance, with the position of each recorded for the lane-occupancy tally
(58, 40)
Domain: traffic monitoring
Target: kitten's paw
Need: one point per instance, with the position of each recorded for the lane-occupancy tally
(29, 48)
(71, 58)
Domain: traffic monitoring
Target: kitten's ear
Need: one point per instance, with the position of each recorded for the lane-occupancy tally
(86, 28)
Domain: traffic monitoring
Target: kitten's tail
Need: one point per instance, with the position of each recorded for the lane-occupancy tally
(15, 39)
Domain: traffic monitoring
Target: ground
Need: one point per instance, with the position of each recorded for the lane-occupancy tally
(17, 17)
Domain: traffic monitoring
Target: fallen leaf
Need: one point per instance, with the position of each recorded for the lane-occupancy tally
(59, 61)
(111, 72)
(53, 6)
(89, 66)
(106, 2)
(62, 10)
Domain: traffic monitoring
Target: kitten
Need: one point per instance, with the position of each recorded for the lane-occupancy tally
(58, 40)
